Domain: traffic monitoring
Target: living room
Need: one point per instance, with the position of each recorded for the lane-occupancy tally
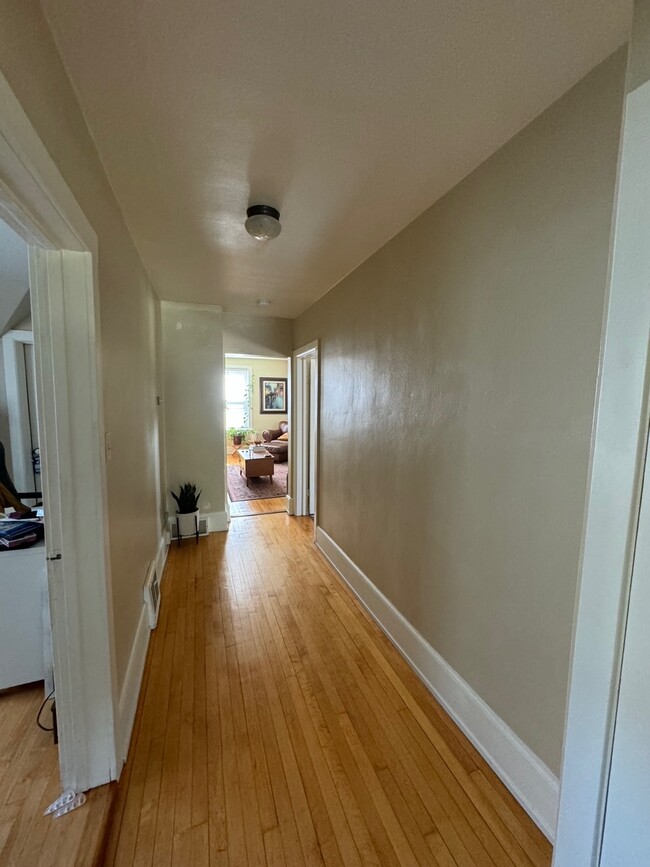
(257, 434)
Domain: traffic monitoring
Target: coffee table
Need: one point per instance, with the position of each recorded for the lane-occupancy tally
(252, 464)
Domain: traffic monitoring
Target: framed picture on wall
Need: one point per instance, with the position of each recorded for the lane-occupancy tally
(273, 395)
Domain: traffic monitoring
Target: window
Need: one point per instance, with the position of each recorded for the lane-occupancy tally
(238, 404)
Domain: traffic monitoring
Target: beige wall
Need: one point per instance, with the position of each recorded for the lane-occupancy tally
(458, 368)
(262, 367)
(257, 335)
(30, 62)
(193, 402)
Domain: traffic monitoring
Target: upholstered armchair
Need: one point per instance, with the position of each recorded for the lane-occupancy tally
(277, 442)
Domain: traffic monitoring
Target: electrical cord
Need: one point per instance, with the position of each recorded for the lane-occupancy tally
(40, 711)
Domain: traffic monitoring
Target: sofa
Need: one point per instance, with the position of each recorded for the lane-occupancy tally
(277, 442)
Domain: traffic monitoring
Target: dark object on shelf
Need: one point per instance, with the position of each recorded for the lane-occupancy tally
(9, 496)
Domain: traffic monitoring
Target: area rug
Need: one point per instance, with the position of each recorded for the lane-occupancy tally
(260, 488)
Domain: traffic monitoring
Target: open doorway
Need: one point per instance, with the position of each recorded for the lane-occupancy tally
(257, 434)
(26, 662)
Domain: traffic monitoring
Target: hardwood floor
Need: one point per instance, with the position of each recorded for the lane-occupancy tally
(247, 508)
(277, 725)
(29, 782)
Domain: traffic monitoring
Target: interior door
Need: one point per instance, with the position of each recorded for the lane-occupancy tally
(626, 839)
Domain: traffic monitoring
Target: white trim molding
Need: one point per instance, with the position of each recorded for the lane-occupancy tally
(525, 775)
(130, 692)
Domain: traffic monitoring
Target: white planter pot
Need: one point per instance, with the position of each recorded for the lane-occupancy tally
(187, 523)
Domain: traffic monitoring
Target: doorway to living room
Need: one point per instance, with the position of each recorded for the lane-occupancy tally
(257, 433)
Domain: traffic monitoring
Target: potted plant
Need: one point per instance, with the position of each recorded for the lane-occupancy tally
(238, 434)
(187, 513)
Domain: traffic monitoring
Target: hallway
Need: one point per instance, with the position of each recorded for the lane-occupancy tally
(277, 725)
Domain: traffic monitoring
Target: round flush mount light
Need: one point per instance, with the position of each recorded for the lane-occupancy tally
(263, 302)
(263, 222)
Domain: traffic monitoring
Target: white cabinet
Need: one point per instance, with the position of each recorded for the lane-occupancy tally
(25, 642)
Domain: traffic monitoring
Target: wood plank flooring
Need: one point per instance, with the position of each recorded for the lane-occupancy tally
(250, 508)
(277, 725)
(247, 508)
(29, 782)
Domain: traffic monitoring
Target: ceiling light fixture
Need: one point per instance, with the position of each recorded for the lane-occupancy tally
(263, 222)
(263, 302)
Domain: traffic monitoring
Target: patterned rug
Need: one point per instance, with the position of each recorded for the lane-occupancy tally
(260, 488)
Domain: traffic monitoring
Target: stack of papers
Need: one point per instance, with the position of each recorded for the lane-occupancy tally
(20, 534)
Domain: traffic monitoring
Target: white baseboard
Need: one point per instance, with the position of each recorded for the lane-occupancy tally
(289, 505)
(527, 777)
(131, 687)
(217, 521)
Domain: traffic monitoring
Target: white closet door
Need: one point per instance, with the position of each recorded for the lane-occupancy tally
(626, 840)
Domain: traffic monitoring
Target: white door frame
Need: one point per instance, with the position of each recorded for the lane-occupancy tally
(618, 452)
(626, 840)
(299, 439)
(37, 203)
(17, 407)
